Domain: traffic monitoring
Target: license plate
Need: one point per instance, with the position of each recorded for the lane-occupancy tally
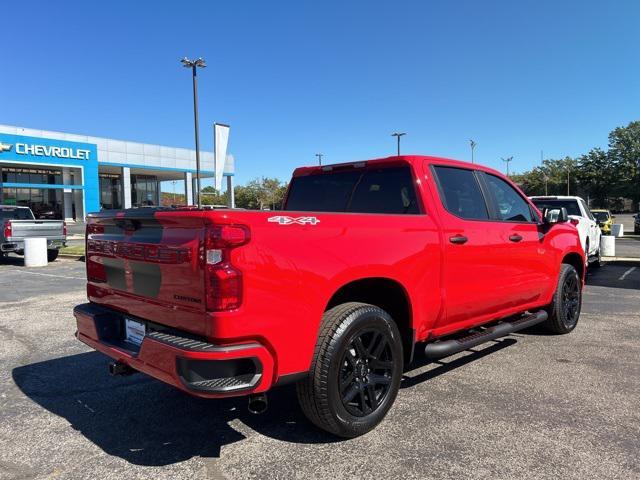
(134, 331)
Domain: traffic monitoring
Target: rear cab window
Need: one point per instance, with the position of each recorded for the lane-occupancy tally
(16, 214)
(384, 190)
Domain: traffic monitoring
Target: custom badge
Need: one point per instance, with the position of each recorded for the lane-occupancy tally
(284, 220)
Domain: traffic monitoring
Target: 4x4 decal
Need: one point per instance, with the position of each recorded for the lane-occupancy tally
(284, 220)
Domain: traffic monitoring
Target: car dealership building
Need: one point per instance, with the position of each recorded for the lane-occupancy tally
(64, 175)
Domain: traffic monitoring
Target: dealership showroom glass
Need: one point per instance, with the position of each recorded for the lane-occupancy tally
(65, 176)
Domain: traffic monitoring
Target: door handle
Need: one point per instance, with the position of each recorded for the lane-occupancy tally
(458, 239)
(515, 238)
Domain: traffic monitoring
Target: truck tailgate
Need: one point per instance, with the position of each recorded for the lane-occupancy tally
(36, 228)
(148, 263)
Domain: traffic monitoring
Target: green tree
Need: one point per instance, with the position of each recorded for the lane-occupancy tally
(261, 193)
(550, 178)
(597, 175)
(624, 149)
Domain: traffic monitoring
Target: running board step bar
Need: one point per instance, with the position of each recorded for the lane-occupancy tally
(449, 347)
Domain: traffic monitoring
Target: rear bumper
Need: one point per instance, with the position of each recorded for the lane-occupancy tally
(11, 245)
(193, 365)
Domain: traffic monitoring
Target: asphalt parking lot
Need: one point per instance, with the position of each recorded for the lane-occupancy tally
(528, 406)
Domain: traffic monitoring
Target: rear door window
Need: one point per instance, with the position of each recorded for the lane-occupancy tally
(389, 190)
(510, 205)
(460, 193)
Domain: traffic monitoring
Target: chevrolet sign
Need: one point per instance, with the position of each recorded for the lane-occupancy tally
(49, 151)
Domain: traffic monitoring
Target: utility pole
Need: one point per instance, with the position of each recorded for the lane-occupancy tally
(319, 155)
(193, 65)
(507, 161)
(398, 135)
(473, 146)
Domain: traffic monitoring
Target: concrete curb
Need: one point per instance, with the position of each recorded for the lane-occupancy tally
(622, 260)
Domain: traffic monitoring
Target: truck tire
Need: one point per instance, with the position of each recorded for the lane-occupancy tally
(52, 255)
(564, 311)
(355, 372)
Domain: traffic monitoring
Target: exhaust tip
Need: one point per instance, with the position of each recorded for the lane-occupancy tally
(258, 404)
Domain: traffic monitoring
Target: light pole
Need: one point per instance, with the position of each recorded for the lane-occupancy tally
(319, 155)
(193, 65)
(507, 161)
(473, 146)
(398, 135)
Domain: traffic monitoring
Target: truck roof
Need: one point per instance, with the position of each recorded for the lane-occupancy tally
(415, 160)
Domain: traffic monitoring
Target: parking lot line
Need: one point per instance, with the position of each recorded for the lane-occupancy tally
(47, 274)
(627, 273)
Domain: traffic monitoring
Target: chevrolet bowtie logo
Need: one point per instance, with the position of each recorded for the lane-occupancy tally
(5, 147)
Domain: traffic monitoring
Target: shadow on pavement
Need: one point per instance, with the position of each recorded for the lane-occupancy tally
(615, 276)
(444, 365)
(146, 422)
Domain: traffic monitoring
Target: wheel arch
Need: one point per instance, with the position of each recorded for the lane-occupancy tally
(575, 260)
(387, 294)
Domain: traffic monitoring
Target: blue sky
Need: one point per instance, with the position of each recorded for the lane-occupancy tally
(298, 77)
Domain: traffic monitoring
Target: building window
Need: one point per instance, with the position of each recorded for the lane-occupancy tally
(44, 202)
(144, 190)
(110, 191)
(31, 175)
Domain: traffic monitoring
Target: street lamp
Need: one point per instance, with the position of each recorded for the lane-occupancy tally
(319, 155)
(398, 135)
(507, 161)
(193, 65)
(473, 146)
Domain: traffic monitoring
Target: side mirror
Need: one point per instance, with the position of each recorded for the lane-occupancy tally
(613, 217)
(556, 215)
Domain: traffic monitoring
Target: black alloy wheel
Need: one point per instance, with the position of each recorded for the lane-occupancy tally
(571, 300)
(564, 311)
(366, 372)
(355, 371)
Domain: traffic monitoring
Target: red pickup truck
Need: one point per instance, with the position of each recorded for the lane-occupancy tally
(366, 261)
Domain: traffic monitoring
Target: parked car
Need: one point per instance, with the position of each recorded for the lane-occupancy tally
(636, 224)
(604, 219)
(582, 218)
(19, 223)
(367, 262)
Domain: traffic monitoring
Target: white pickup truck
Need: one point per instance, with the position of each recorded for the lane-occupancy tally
(19, 223)
(582, 218)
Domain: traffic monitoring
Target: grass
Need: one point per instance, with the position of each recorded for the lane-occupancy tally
(73, 250)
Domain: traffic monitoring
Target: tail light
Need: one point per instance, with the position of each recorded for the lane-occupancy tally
(574, 221)
(7, 229)
(223, 288)
(95, 268)
(64, 228)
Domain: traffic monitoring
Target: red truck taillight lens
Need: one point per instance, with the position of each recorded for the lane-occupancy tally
(64, 228)
(223, 280)
(7, 229)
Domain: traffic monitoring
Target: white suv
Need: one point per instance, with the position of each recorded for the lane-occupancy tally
(581, 217)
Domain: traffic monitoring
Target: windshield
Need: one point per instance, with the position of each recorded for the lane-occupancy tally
(545, 204)
(16, 214)
(601, 216)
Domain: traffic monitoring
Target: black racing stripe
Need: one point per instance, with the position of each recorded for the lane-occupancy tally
(114, 269)
(147, 278)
